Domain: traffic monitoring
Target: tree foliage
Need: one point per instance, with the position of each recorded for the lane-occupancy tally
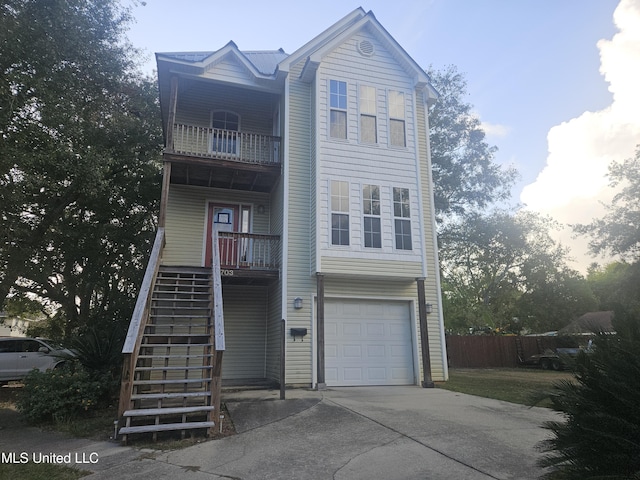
(504, 266)
(79, 150)
(466, 177)
(618, 232)
(600, 437)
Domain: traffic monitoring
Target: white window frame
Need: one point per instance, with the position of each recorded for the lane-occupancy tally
(397, 113)
(368, 109)
(338, 108)
(402, 217)
(369, 213)
(227, 144)
(339, 207)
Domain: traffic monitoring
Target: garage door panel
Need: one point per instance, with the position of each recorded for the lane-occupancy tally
(352, 374)
(376, 329)
(377, 374)
(351, 329)
(368, 343)
(375, 351)
(352, 351)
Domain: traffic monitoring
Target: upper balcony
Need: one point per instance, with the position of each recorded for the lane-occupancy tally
(222, 158)
(222, 136)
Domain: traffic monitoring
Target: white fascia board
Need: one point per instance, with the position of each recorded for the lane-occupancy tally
(319, 40)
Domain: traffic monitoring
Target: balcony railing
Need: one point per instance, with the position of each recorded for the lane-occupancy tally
(226, 145)
(249, 250)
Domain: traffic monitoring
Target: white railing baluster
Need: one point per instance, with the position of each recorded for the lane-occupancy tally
(226, 144)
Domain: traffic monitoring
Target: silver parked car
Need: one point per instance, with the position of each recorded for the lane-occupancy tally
(18, 356)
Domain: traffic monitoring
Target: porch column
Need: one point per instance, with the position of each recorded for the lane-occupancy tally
(321, 385)
(173, 105)
(164, 196)
(424, 335)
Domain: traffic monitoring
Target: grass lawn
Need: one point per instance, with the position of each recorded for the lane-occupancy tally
(516, 385)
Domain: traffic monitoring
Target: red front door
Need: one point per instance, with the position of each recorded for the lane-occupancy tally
(225, 219)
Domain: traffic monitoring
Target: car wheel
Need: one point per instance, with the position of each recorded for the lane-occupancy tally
(556, 365)
(544, 364)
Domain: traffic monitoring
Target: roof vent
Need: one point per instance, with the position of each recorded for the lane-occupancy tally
(365, 47)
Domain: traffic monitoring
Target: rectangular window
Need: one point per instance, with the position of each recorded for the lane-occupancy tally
(339, 212)
(371, 210)
(368, 119)
(402, 218)
(338, 106)
(397, 135)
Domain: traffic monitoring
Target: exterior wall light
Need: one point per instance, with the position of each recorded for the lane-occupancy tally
(297, 303)
(429, 309)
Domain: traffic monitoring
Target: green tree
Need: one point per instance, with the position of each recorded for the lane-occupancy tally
(615, 285)
(465, 175)
(618, 232)
(502, 266)
(79, 149)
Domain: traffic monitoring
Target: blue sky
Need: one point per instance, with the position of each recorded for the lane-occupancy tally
(532, 66)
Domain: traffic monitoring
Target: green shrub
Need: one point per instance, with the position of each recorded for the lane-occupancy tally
(600, 438)
(63, 393)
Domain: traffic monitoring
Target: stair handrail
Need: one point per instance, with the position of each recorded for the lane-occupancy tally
(218, 313)
(136, 326)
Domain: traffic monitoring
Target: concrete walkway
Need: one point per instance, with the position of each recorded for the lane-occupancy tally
(346, 433)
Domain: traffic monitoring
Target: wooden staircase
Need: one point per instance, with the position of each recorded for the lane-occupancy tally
(176, 372)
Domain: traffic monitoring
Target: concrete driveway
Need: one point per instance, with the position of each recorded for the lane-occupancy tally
(359, 433)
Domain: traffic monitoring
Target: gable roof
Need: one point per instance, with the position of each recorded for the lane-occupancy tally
(591, 322)
(276, 64)
(314, 51)
(260, 64)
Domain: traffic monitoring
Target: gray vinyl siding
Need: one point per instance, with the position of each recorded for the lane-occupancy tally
(359, 163)
(275, 293)
(377, 269)
(299, 281)
(187, 214)
(437, 346)
(245, 325)
(254, 108)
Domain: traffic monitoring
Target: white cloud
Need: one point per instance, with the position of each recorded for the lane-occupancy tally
(494, 129)
(573, 183)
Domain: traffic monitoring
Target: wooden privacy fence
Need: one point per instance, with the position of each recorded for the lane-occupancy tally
(492, 351)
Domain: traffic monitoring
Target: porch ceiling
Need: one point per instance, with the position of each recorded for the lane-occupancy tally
(255, 178)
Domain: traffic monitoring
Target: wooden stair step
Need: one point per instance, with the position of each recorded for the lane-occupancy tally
(173, 368)
(175, 357)
(165, 395)
(148, 412)
(165, 427)
(178, 345)
(172, 382)
(176, 335)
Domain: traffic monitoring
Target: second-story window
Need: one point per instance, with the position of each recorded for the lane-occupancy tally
(368, 119)
(339, 212)
(338, 109)
(397, 128)
(371, 211)
(225, 127)
(402, 218)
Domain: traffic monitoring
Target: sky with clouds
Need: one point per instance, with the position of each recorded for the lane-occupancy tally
(554, 82)
(573, 184)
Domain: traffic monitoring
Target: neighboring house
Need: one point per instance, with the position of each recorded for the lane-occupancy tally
(314, 167)
(13, 327)
(590, 323)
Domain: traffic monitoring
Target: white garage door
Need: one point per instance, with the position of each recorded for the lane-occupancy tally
(368, 343)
